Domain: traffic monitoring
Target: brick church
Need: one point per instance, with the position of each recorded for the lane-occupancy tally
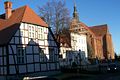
(97, 39)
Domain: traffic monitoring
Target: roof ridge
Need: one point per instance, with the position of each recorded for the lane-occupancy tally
(100, 30)
(32, 14)
(101, 25)
(13, 11)
(12, 20)
(24, 12)
(88, 28)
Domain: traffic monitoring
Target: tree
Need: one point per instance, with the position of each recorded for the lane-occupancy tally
(55, 14)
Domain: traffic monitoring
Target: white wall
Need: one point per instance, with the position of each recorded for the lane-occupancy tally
(32, 35)
(79, 42)
(39, 36)
(63, 51)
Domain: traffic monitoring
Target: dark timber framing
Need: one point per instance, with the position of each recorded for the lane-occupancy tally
(16, 67)
(7, 59)
(36, 63)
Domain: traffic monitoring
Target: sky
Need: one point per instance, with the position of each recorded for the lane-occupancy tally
(91, 12)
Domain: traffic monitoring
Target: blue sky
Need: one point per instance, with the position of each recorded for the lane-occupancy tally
(91, 12)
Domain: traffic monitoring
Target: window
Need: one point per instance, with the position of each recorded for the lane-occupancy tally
(36, 35)
(51, 54)
(31, 32)
(42, 56)
(40, 33)
(72, 38)
(20, 55)
(79, 40)
(21, 33)
(33, 35)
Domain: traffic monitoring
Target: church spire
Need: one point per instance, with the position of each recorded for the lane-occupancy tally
(75, 14)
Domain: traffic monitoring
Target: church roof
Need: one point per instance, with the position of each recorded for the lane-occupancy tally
(22, 14)
(99, 30)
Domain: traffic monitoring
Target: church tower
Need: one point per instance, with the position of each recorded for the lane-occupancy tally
(75, 19)
(78, 34)
(75, 14)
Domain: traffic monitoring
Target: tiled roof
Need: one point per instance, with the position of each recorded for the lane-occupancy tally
(22, 14)
(81, 24)
(86, 27)
(65, 40)
(100, 30)
(31, 17)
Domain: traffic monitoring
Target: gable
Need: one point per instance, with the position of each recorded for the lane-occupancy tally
(22, 14)
(9, 26)
(31, 17)
(6, 34)
(39, 34)
(80, 28)
(52, 37)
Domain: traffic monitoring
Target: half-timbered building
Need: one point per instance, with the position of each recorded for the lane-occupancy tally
(27, 44)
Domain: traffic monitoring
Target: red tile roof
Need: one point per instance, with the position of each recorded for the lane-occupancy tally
(22, 14)
(31, 17)
(86, 27)
(65, 40)
(99, 30)
(81, 24)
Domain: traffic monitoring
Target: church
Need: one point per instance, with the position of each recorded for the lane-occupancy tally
(93, 42)
(27, 44)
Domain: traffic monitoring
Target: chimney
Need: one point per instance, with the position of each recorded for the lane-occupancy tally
(8, 9)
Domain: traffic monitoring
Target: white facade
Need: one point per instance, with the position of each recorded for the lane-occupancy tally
(77, 51)
(31, 49)
(79, 42)
(63, 50)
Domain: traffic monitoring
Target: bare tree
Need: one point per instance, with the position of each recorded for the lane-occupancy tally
(55, 13)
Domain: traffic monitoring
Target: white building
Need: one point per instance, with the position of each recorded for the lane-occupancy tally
(27, 44)
(77, 42)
